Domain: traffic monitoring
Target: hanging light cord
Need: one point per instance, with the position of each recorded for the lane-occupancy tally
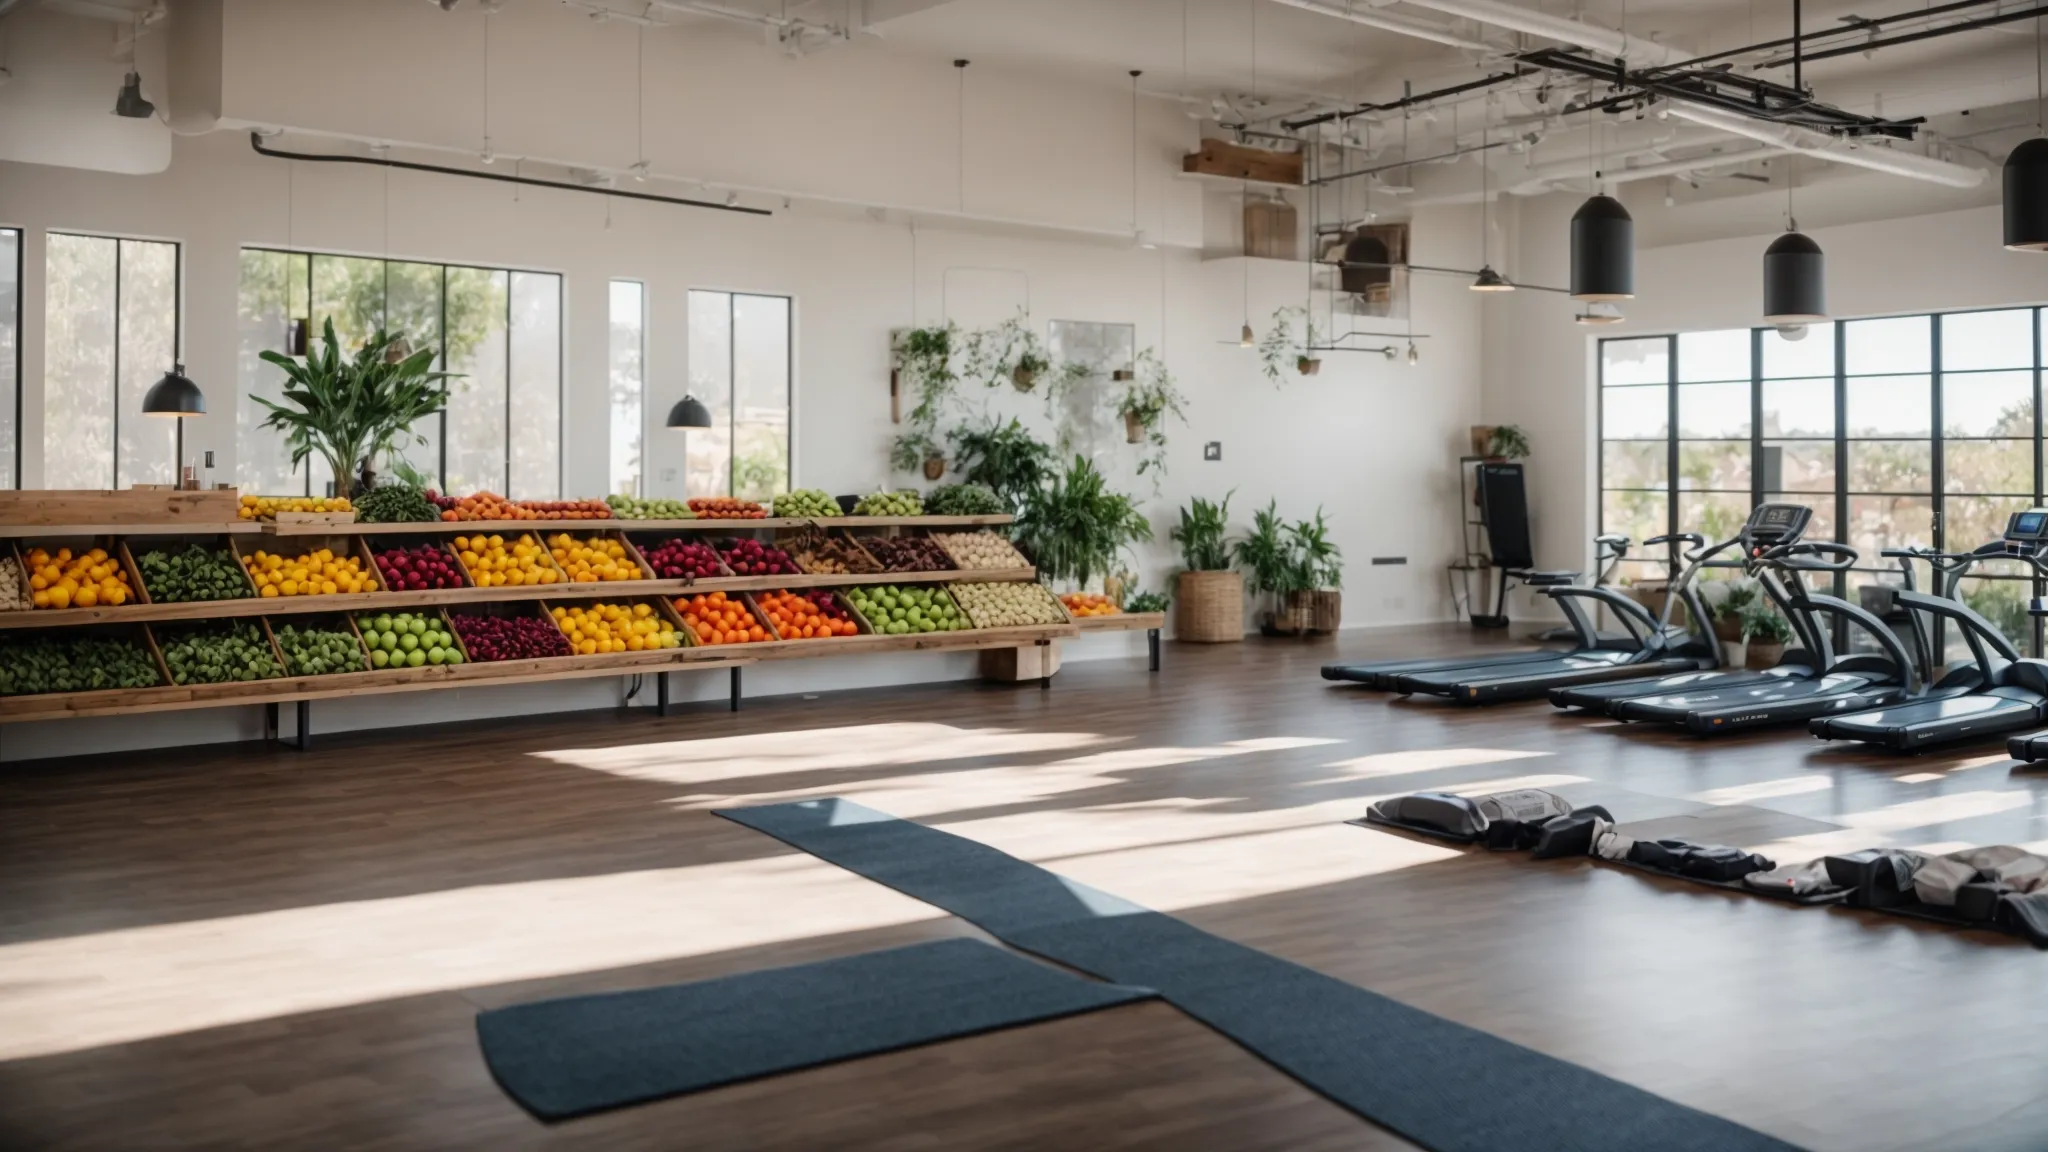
(960, 117)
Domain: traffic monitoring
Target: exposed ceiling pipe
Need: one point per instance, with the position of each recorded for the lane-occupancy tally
(1819, 144)
(1538, 179)
(1605, 41)
(1375, 18)
(1694, 164)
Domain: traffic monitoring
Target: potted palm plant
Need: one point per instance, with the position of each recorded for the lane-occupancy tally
(1208, 593)
(1268, 562)
(1318, 598)
(347, 410)
(1074, 527)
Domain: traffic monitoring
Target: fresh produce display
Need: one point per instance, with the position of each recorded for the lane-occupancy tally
(227, 655)
(406, 640)
(1089, 604)
(823, 555)
(593, 559)
(64, 580)
(1009, 605)
(980, 551)
(13, 589)
(395, 504)
(899, 609)
(749, 557)
(566, 509)
(194, 572)
(416, 568)
(635, 508)
(313, 651)
(808, 616)
(491, 506)
(963, 500)
(727, 508)
(806, 503)
(316, 573)
(44, 663)
(598, 628)
(904, 503)
(720, 619)
(907, 553)
(680, 559)
(492, 563)
(1148, 602)
(267, 507)
(493, 638)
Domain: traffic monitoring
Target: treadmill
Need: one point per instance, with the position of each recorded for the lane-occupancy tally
(1609, 549)
(1769, 526)
(1658, 647)
(1844, 683)
(1996, 692)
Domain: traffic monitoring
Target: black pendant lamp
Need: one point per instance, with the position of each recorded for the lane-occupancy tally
(1603, 251)
(689, 412)
(2026, 177)
(1795, 281)
(174, 395)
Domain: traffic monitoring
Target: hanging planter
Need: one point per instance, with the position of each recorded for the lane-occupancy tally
(1134, 428)
(934, 468)
(1124, 375)
(1025, 372)
(1308, 365)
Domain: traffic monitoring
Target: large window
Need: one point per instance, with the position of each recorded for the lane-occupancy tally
(10, 358)
(110, 330)
(500, 329)
(740, 369)
(627, 379)
(1896, 431)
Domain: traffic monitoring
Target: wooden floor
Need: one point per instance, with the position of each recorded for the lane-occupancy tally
(257, 948)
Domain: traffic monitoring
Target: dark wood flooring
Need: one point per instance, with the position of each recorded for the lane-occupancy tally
(250, 947)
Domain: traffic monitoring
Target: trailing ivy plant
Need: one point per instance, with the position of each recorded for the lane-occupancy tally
(350, 411)
(1279, 347)
(925, 359)
(1149, 398)
(1075, 527)
(909, 450)
(1003, 457)
(1009, 353)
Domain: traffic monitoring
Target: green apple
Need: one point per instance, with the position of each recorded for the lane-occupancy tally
(379, 657)
(409, 642)
(415, 658)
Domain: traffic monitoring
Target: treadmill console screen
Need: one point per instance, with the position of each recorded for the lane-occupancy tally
(2029, 527)
(1773, 524)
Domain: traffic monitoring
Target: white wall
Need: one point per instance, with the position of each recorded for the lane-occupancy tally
(1539, 365)
(1367, 439)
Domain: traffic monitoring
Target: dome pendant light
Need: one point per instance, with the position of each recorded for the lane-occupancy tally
(1489, 280)
(2026, 176)
(1603, 243)
(1795, 275)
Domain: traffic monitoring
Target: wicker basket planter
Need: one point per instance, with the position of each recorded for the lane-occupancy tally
(1325, 610)
(1208, 607)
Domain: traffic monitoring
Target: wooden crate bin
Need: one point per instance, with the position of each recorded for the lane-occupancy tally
(435, 617)
(869, 542)
(838, 543)
(1017, 562)
(136, 634)
(133, 548)
(373, 545)
(167, 636)
(155, 506)
(111, 545)
(324, 622)
(511, 537)
(1063, 617)
(642, 543)
(662, 609)
(859, 622)
(585, 536)
(531, 609)
(746, 602)
(292, 548)
(868, 624)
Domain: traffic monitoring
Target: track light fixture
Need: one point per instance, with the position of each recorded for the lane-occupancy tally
(129, 103)
(1599, 313)
(1491, 281)
(1414, 353)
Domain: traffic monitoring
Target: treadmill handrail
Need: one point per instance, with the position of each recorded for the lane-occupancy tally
(1886, 639)
(1971, 620)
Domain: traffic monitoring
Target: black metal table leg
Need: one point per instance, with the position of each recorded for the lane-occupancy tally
(661, 693)
(1152, 642)
(270, 722)
(305, 737)
(1045, 658)
(735, 687)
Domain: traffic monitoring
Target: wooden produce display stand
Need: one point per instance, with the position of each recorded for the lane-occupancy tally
(118, 517)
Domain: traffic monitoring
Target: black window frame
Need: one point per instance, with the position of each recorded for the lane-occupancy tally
(177, 338)
(732, 439)
(20, 269)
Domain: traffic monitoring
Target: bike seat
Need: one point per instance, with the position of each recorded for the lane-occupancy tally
(1540, 579)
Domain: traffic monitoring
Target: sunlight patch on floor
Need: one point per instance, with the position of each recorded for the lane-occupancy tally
(1764, 790)
(1920, 778)
(1980, 762)
(1420, 760)
(1935, 810)
(78, 992)
(816, 750)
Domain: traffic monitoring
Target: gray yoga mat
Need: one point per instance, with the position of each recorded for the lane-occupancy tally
(1439, 1083)
(582, 1054)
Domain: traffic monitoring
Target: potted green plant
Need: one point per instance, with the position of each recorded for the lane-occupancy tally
(1765, 632)
(1319, 576)
(1209, 593)
(348, 411)
(1002, 457)
(1726, 599)
(1151, 602)
(1025, 372)
(1507, 442)
(1280, 345)
(1074, 527)
(1146, 403)
(1271, 574)
(915, 450)
(924, 360)
(1010, 351)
